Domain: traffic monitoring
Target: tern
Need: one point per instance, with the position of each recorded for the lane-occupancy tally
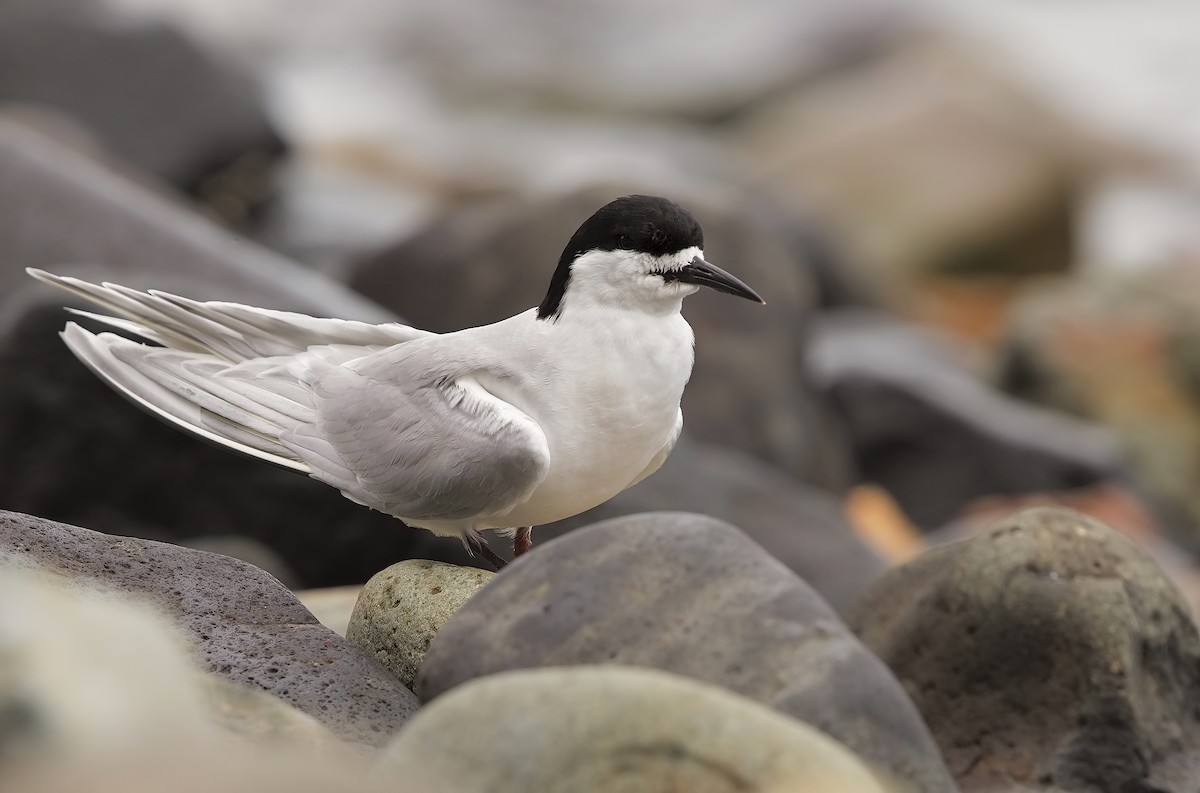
(506, 426)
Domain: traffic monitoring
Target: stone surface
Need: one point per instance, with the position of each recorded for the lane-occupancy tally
(931, 161)
(1122, 350)
(748, 388)
(403, 607)
(1050, 651)
(608, 728)
(260, 718)
(935, 436)
(149, 95)
(242, 624)
(84, 674)
(72, 450)
(690, 595)
(800, 525)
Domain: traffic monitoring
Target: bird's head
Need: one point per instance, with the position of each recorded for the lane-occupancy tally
(637, 251)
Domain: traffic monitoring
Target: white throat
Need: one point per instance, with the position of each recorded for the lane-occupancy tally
(628, 280)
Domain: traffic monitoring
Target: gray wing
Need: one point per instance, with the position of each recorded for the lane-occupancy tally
(418, 437)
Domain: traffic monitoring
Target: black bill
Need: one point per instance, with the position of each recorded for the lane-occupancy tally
(702, 273)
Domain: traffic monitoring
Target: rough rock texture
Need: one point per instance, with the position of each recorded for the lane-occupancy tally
(403, 607)
(800, 525)
(243, 624)
(609, 728)
(255, 716)
(690, 595)
(934, 436)
(748, 389)
(149, 95)
(72, 450)
(1050, 651)
(331, 605)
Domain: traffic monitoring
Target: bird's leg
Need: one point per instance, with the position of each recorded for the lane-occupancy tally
(522, 541)
(476, 545)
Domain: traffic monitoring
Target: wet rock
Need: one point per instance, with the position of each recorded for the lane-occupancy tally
(1050, 651)
(614, 728)
(800, 525)
(748, 389)
(150, 96)
(403, 607)
(72, 450)
(936, 437)
(690, 595)
(243, 625)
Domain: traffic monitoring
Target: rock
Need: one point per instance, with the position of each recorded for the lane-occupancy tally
(72, 450)
(332, 606)
(87, 673)
(150, 96)
(934, 436)
(931, 161)
(403, 607)
(608, 728)
(242, 624)
(1049, 651)
(748, 388)
(800, 525)
(208, 767)
(259, 718)
(693, 596)
(1121, 350)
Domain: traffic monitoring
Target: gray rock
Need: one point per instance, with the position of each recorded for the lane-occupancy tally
(611, 728)
(1050, 651)
(800, 525)
(150, 96)
(936, 437)
(331, 605)
(403, 607)
(690, 595)
(72, 450)
(748, 389)
(243, 624)
(255, 716)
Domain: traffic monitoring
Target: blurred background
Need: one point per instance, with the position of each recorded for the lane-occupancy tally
(977, 227)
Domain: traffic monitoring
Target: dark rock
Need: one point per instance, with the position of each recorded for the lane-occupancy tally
(245, 626)
(72, 450)
(1050, 651)
(690, 595)
(150, 96)
(748, 389)
(799, 524)
(934, 436)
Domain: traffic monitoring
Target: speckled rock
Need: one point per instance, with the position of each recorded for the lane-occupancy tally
(243, 625)
(403, 607)
(609, 728)
(255, 716)
(1050, 651)
(331, 605)
(691, 595)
